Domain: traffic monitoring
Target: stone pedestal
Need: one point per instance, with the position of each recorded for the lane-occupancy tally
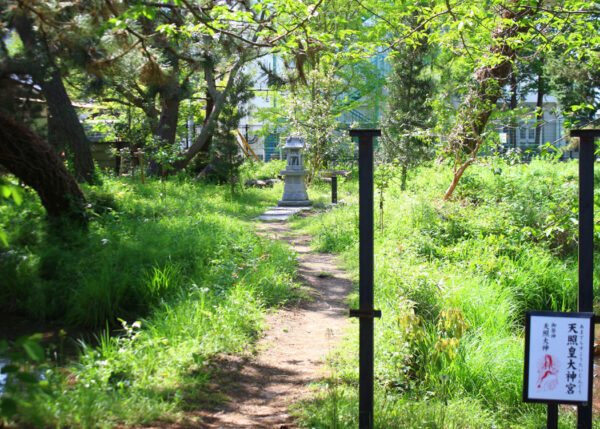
(294, 190)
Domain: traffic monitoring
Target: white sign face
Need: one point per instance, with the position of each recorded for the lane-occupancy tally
(558, 357)
(503, 137)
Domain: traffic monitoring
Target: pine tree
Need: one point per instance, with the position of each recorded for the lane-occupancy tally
(225, 151)
(408, 114)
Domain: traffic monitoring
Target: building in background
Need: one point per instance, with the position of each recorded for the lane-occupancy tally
(522, 137)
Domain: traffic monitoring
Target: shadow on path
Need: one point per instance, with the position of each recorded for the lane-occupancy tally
(260, 389)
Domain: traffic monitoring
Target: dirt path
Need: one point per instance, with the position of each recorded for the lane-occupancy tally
(292, 350)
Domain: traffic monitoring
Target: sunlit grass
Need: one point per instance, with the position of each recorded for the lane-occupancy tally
(453, 280)
(168, 276)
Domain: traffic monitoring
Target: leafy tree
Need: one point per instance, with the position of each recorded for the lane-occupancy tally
(226, 49)
(157, 78)
(487, 39)
(407, 120)
(575, 82)
(328, 71)
(313, 110)
(491, 75)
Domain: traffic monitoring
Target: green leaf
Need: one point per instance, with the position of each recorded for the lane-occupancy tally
(9, 369)
(27, 377)
(149, 13)
(9, 407)
(17, 197)
(34, 350)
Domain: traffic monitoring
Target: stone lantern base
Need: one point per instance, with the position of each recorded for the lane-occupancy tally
(293, 203)
(294, 190)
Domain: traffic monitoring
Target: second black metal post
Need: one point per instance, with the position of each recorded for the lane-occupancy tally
(334, 189)
(365, 174)
(586, 241)
(366, 312)
(552, 417)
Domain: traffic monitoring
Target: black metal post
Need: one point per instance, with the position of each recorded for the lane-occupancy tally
(366, 313)
(586, 241)
(334, 189)
(552, 419)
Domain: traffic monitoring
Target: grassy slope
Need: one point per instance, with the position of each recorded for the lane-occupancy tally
(453, 281)
(180, 258)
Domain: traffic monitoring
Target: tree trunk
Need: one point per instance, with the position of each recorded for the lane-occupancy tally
(481, 100)
(33, 161)
(207, 130)
(53, 136)
(403, 176)
(539, 113)
(458, 173)
(169, 114)
(210, 105)
(513, 106)
(68, 127)
(167, 124)
(48, 77)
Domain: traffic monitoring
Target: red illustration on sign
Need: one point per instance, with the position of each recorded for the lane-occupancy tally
(547, 373)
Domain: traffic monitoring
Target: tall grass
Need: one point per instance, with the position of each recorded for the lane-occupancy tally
(453, 280)
(138, 250)
(169, 276)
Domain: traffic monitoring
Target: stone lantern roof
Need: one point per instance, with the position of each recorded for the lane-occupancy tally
(294, 142)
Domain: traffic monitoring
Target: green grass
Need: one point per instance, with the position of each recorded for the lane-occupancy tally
(453, 280)
(171, 275)
(168, 275)
(145, 243)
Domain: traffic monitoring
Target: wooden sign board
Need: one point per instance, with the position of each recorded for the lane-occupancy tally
(558, 357)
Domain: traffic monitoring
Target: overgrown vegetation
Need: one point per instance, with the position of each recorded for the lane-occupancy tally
(166, 284)
(453, 280)
(167, 275)
(180, 286)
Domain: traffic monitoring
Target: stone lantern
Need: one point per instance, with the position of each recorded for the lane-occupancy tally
(294, 191)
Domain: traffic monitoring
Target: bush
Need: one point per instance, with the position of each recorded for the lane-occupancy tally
(262, 170)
